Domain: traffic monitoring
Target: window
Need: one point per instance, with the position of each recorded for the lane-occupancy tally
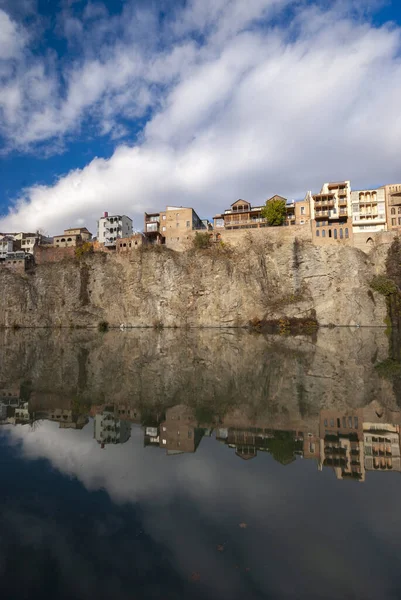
(317, 233)
(325, 422)
(177, 224)
(338, 422)
(163, 228)
(323, 233)
(344, 422)
(177, 215)
(335, 234)
(399, 220)
(399, 210)
(164, 442)
(302, 210)
(392, 221)
(188, 223)
(331, 422)
(356, 422)
(350, 422)
(164, 217)
(69, 240)
(341, 234)
(346, 232)
(329, 232)
(393, 211)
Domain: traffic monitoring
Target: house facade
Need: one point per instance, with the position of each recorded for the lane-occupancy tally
(171, 226)
(369, 210)
(110, 228)
(331, 214)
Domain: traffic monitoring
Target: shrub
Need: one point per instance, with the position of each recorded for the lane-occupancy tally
(383, 285)
(81, 251)
(103, 326)
(201, 241)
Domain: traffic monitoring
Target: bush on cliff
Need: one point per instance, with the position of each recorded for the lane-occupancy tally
(81, 251)
(201, 241)
(383, 285)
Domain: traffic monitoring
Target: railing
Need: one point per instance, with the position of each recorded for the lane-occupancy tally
(321, 213)
(243, 222)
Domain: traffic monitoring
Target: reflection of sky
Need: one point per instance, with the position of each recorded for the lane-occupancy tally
(161, 518)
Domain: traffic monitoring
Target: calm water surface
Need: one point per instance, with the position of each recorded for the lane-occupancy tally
(200, 464)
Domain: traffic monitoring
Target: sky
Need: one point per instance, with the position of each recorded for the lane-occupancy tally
(129, 106)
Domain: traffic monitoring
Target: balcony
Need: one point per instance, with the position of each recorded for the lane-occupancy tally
(153, 226)
(342, 201)
(321, 214)
(342, 192)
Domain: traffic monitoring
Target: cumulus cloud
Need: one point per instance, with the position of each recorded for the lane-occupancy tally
(236, 99)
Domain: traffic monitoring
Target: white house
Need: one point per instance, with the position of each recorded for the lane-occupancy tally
(6, 246)
(112, 227)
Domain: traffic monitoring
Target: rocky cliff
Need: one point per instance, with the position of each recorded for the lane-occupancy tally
(214, 287)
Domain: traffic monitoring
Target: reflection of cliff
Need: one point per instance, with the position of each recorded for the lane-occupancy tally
(216, 372)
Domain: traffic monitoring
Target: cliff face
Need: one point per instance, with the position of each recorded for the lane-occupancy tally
(204, 288)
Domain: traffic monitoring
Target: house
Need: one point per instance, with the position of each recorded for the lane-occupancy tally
(242, 215)
(369, 210)
(392, 196)
(171, 226)
(331, 214)
(178, 433)
(6, 246)
(112, 227)
(72, 237)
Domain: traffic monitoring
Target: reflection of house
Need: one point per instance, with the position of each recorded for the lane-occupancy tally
(151, 437)
(178, 432)
(341, 443)
(22, 414)
(109, 429)
(282, 445)
(10, 395)
(382, 446)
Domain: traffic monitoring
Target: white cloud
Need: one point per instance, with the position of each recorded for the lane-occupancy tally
(254, 110)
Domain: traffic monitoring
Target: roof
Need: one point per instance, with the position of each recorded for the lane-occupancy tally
(79, 229)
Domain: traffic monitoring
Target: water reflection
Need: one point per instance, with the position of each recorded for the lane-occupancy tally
(199, 463)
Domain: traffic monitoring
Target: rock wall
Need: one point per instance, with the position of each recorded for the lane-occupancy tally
(217, 287)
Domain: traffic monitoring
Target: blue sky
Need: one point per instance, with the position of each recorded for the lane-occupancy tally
(129, 106)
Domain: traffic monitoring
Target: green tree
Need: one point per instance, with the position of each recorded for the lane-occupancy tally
(274, 211)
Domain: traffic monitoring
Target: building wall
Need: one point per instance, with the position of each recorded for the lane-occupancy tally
(112, 227)
(327, 233)
(67, 240)
(368, 210)
(302, 212)
(176, 223)
(392, 193)
(52, 254)
(6, 246)
(83, 232)
(129, 244)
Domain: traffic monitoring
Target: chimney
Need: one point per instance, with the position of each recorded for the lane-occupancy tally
(105, 214)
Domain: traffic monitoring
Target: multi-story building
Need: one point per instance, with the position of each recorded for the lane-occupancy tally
(72, 237)
(112, 227)
(298, 211)
(331, 214)
(171, 226)
(30, 240)
(392, 194)
(368, 210)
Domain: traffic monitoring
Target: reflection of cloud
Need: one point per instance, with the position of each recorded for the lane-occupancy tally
(326, 532)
